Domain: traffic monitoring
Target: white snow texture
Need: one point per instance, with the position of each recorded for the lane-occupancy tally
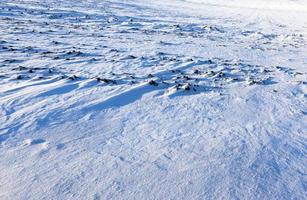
(142, 99)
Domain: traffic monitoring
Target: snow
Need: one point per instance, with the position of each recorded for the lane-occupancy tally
(170, 99)
(282, 5)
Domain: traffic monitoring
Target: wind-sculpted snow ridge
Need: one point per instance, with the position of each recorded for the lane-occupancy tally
(151, 100)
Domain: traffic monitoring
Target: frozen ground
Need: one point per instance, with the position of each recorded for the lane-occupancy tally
(138, 99)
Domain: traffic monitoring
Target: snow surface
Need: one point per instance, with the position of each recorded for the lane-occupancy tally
(172, 99)
(292, 5)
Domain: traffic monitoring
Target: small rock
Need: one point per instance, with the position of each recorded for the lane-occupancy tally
(19, 77)
(106, 80)
(186, 87)
(196, 71)
(74, 77)
(152, 82)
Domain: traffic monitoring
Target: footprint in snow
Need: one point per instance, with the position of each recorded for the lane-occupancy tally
(60, 146)
(40, 146)
(30, 142)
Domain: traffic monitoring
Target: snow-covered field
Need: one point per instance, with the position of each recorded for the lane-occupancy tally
(142, 99)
